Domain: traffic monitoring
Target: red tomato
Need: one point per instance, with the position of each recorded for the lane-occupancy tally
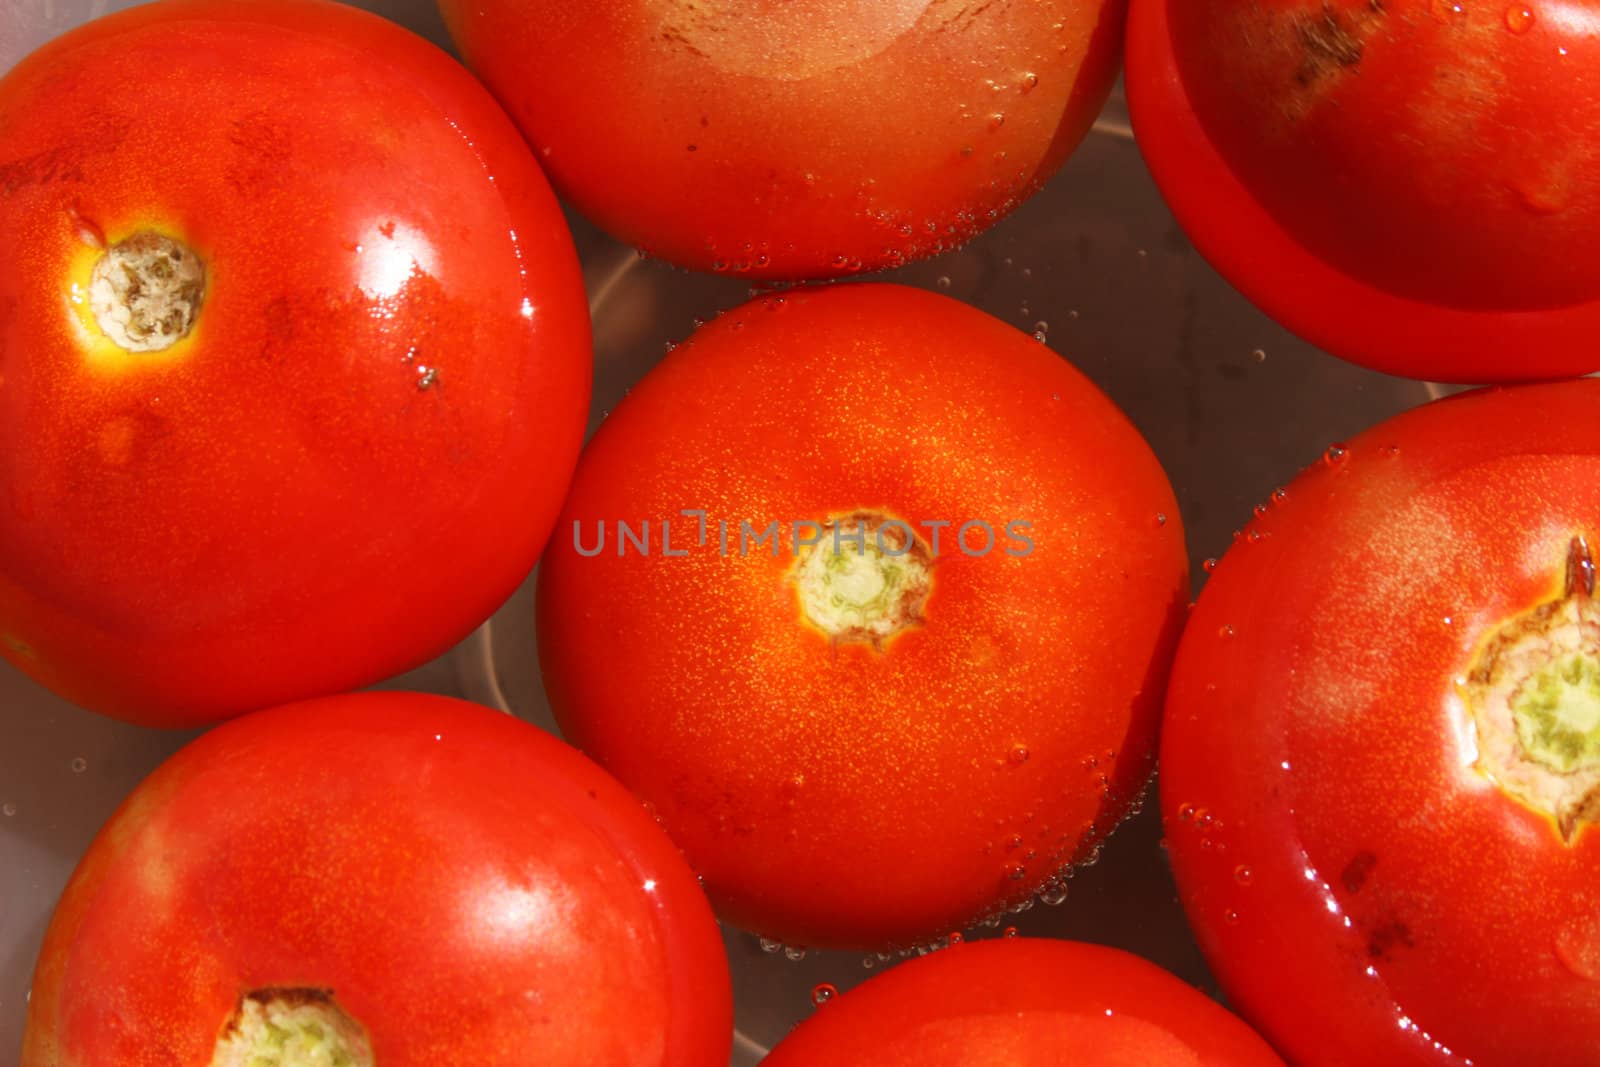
(801, 138)
(424, 880)
(1023, 1003)
(358, 447)
(882, 743)
(1381, 766)
(1413, 185)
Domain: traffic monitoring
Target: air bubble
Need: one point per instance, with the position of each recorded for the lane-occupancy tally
(1337, 453)
(8, 809)
(1161, 519)
(1259, 355)
(79, 765)
(822, 993)
(1243, 875)
(795, 954)
(1209, 565)
(943, 281)
(1010, 931)
(1519, 19)
(1054, 894)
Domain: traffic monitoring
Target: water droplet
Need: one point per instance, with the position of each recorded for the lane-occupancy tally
(1243, 875)
(996, 121)
(1446, 10)
(1578, 947)
(1029, 80)
(943, 281)
(1519, 19)
(1336, 454)
(79, 765)
(1209, 565)
(826, 991)
(1259, 355)
(771, 947)
(1018, 754)
(1010, 931)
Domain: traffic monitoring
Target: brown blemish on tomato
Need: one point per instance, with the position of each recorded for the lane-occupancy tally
(1385, 938)
(101, 135)
(263, 154)
(1331, 40)
(1357, 871)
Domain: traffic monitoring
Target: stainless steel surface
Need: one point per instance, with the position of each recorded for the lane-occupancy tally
(1231, 403)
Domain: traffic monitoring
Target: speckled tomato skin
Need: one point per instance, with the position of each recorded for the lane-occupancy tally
(808, 138)
(1322, 811)
(469, 889)
(1408, 184)
(275, 508)
(1023, 1002)
(843, 795)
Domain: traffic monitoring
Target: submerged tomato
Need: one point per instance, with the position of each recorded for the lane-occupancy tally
(1410, 184)
(405, 879)
(293, 357)
(1023, 1003)
(880, 743)
(1380, 771)
(801, 138)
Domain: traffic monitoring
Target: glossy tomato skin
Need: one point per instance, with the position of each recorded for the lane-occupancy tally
(1018, 1002)
(360, 449)
(470, 890)
(837, 794)
(1362, 891)
(1409, 185)
(795, 140)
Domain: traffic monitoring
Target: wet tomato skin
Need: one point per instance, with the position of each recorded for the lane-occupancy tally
(1023, 1002)
(837, 794)
(467, 887)
(795, 140)
(1361, 889)
(1409, 185)
(359, 450)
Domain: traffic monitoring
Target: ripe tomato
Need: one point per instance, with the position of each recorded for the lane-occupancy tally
(875, 744)
(424, 880)
(795, 138)
(1411, 184)
(1021, 1002)
(375, 372)
(1382, 747)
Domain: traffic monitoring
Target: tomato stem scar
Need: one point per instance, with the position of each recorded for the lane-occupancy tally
(864, 579)
(291, 1028)
(146, 292)
(1534, 693)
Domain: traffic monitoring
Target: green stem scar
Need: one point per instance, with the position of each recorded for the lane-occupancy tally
(1534, 694)
(291, 1028)
(865, 579)
(146, 292)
